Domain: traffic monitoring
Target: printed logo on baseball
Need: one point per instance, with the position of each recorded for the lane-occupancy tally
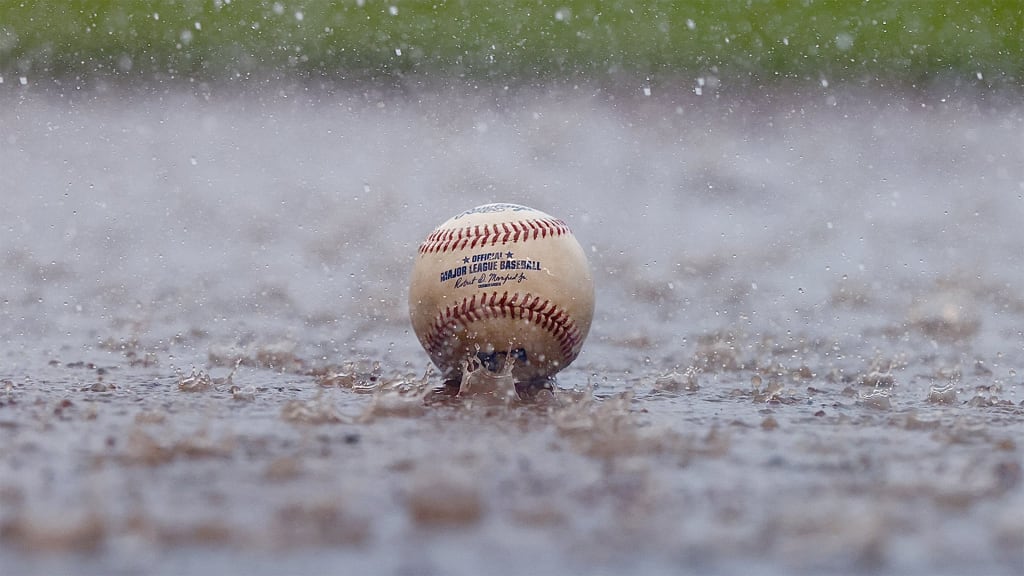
(498, 280)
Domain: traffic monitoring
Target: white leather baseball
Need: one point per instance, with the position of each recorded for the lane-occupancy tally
(502, 279)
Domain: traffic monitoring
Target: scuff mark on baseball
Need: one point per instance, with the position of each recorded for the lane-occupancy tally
(499, 280)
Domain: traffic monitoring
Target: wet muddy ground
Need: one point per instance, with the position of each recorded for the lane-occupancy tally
(807, 355)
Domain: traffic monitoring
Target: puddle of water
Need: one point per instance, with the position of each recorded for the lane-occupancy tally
(806, 353)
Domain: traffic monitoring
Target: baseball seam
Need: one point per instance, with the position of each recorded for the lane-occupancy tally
(451, 239)
(484, 305)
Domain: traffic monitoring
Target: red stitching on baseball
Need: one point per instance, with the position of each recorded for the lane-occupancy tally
(542, 313)
(472, 236)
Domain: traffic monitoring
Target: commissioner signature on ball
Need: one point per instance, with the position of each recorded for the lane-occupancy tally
(489, 280)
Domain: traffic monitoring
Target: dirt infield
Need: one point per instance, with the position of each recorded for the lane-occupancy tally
(807, 355)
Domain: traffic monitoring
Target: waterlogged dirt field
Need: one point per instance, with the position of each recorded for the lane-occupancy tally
(808, 351)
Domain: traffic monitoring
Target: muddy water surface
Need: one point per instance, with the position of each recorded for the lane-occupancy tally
(808, 351)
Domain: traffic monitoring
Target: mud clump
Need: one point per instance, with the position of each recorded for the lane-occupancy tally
(144, 449)
(83, 534)
(283, 469)
(318, 525)
(539, 514)
(444, 498)
(199, 533)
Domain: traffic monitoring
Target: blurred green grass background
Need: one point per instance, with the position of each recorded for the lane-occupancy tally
(746, 43)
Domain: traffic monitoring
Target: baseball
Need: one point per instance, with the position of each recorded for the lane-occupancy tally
(502, 280)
